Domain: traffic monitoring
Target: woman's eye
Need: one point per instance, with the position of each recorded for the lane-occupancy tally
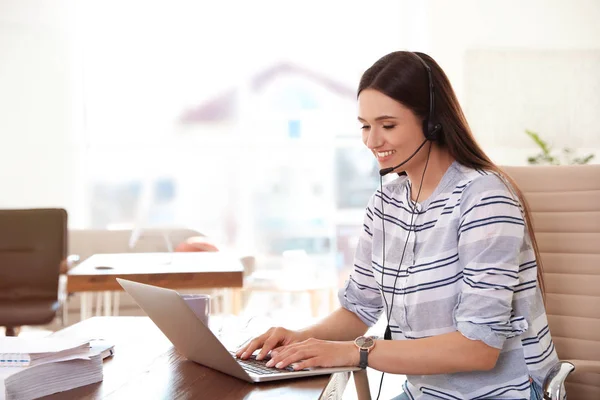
(364, 127)
(388, 127)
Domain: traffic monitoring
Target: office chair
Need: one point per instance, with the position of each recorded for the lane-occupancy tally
(565, 206)
(33, 243)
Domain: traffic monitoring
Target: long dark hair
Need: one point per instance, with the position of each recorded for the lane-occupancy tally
(401, 76)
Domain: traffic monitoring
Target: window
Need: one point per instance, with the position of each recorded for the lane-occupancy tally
(255, 150)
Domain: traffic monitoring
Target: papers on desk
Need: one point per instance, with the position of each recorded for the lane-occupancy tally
(65, 365)
(22, 352)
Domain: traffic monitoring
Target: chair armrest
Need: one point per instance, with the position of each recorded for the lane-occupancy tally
(555, 379)
(68, 263)
(554, 383)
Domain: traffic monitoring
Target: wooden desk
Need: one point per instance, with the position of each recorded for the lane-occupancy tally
(215, 270)
(146, 366)
(170, 270)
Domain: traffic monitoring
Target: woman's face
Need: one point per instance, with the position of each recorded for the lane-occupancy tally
(390, 130)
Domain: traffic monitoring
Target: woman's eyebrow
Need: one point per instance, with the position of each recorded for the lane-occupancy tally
(380, 118)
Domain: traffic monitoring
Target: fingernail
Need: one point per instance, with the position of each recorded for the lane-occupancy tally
(270, 363)
(244, 354)
(259, 357)
(279, 364)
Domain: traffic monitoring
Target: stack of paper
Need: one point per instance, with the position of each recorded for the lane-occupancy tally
(47, 366)
(22, 352)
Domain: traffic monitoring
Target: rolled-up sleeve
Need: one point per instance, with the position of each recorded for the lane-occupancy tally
(361, 294)
(491, 235)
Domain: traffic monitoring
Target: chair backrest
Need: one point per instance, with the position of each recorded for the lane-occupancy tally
(32, 245)
(87, 242)
(565, 205)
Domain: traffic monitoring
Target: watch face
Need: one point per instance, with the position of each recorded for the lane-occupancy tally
(364, 342)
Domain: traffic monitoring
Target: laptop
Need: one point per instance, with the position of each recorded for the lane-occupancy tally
(195, 341)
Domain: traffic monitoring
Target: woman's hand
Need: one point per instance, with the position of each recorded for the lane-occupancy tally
(315, 353)
(268, 341)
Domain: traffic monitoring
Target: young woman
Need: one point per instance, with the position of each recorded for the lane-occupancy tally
(447, 255)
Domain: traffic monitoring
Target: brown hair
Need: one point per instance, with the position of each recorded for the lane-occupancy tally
(401, 76)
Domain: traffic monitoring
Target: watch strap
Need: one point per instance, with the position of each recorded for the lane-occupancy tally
(364, 356)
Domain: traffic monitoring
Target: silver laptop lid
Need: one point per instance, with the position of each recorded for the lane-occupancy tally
(177, 321)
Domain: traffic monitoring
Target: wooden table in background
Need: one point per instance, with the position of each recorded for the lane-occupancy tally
(215, 270)
(146, 366)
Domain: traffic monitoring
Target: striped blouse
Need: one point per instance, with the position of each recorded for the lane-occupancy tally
(468, 266)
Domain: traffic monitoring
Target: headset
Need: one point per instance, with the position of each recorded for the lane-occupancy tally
(432, 129)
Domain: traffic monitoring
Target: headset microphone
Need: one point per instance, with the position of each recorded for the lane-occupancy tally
(386, 171)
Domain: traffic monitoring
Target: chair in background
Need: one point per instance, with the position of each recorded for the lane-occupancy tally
(197, 243)
(296, 274)
(284, 281)
(565, 206)
(33, 244)
(223, 300)
(87, 242)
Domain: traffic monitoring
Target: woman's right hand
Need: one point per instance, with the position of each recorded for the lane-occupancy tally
(271, 339)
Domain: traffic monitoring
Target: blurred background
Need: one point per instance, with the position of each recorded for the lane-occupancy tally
(238, 119)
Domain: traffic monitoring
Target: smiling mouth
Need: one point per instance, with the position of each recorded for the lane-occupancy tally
(384, 154)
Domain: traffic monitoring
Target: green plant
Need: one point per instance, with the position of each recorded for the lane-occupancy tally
(546, 156)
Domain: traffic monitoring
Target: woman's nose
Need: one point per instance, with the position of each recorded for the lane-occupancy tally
(373, 140)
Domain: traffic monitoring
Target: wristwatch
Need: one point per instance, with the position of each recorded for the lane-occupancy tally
(364, 344)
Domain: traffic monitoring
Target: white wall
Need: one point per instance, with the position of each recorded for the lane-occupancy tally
(459, 25)
(37, 152)
(456, 27)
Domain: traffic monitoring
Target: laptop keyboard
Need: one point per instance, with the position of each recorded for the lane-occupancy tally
(258, 366)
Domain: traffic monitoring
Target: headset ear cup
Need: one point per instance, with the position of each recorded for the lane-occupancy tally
(432, 131)
(426, 128)
(435, 132)
(429, 130)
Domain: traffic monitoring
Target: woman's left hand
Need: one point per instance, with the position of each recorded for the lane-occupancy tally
(315, 353)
